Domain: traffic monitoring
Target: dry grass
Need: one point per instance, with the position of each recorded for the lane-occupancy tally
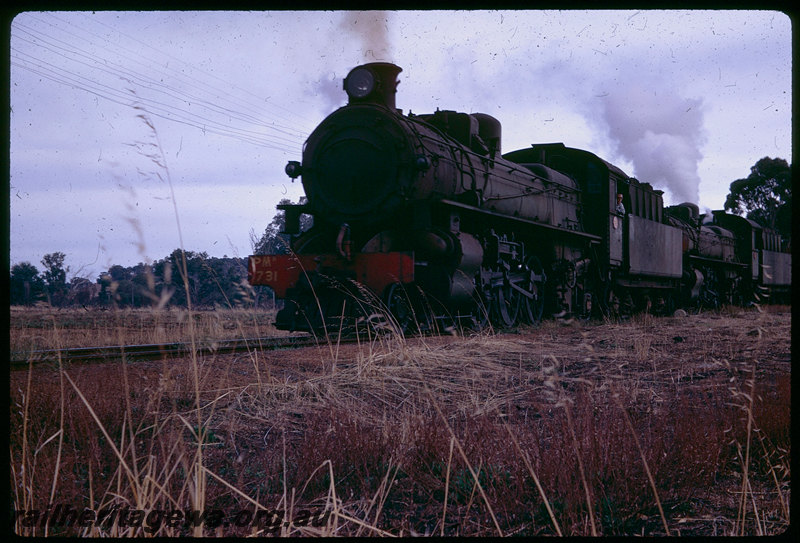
(45, 328)
(656, 426)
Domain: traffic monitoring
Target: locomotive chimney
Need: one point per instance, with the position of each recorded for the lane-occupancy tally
(374, 83)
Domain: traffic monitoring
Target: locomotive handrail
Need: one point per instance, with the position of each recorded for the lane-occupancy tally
(555, 188)
(559, 229)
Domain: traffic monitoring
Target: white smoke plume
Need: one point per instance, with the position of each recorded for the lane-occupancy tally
(660, 133)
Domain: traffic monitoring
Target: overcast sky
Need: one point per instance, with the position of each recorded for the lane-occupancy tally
(134, 132)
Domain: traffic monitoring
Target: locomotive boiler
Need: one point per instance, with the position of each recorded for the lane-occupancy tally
(422, 220)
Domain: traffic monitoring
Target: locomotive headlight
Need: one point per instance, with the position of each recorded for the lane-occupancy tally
(293, 169)
(359, 83)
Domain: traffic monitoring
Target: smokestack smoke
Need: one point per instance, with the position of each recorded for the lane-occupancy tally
(372, 29)
(661, 134)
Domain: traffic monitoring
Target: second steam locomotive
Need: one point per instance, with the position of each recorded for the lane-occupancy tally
(422, 219)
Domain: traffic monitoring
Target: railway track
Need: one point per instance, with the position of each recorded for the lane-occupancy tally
(22, 360)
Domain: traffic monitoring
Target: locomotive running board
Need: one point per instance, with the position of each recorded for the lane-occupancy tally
(696, 258)
(554, 229)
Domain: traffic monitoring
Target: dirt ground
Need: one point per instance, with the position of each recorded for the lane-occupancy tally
(665, 370)
(684, 348)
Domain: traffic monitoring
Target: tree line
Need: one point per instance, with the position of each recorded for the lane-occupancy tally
(173, 281)
(765, 196)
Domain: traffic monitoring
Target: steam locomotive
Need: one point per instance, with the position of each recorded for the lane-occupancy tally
(421, 219)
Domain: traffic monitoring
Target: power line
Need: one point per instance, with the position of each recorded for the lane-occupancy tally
(272, 134)
(157, 109)
(131, 77)
(294, 116)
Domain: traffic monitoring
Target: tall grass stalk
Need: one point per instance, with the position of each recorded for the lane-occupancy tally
(379, 498)
(102, 428)
(760, 530)
(746, 462)
(768, 460)
(27, 488)
(198, 483)
(460, 451)
(447, 483)
(629, 424)
(61, 417)
(590, 507)
(539, 488)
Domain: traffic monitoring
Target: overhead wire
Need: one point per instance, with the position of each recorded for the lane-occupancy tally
(155, 108)
(269, 134)
(159, 110)
(131, 78)
(152, 67)
(294, 116)
(129, 97)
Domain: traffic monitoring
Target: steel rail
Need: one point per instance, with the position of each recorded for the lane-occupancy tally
(21, 360)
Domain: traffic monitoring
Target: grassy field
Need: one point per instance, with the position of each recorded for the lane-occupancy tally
(657, 426)
(33, 328)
